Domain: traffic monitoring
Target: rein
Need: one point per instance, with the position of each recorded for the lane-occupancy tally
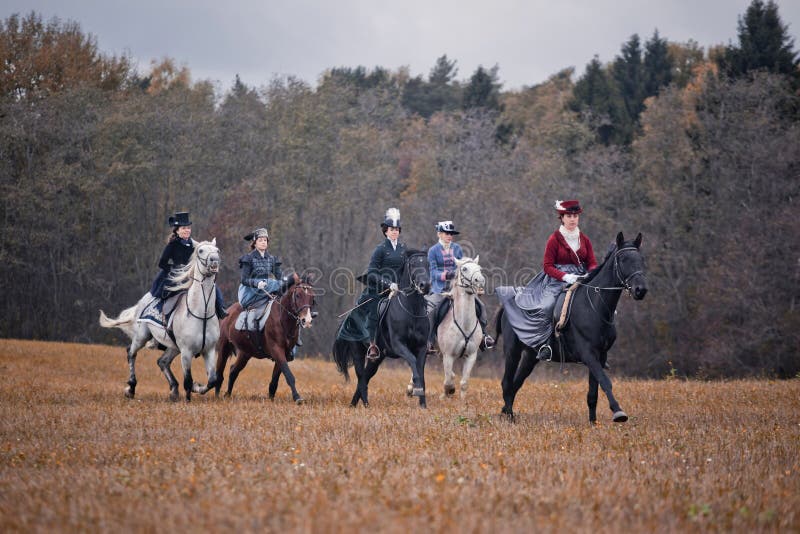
(466, 287)
(414, 288)
(625, 285)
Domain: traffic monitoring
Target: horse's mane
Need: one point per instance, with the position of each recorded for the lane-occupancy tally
(182, 277)
(612, 248)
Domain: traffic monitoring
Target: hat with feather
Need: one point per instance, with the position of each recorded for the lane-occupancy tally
(391, 219)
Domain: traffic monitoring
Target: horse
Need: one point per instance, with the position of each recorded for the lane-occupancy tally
(279, 336)
(194, 330)
(589, 332)
(459, 335)
(402, 332)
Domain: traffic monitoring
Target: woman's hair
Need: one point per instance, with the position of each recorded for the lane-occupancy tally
(173, 235)
(385, 229)
(253, 243)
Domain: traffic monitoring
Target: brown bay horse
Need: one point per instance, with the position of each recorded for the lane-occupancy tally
(288, 313)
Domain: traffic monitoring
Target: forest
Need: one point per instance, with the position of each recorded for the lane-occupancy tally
(697, 148)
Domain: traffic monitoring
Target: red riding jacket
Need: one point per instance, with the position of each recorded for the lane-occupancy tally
(558, 251)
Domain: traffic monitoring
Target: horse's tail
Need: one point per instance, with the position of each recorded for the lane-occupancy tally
(343, 356)
(498, 321)
(125, 321)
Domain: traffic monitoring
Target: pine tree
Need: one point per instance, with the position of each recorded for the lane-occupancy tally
(597, 98)
(657, 71)
(483, 90)
(764, 44)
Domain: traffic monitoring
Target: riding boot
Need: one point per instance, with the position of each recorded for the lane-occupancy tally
(488, 341)
(373, 353)
(286, 283)
(219, 305)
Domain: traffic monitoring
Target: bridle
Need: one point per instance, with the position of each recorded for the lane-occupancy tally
(468, 282)
(624, 282)
(210, 273)
(413, 286)
(294, 313)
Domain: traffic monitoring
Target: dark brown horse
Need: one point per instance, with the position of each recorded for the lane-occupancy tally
(288, 313)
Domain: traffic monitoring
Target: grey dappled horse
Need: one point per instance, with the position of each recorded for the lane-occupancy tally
(195, 325)
(590, 331)
(459, 334)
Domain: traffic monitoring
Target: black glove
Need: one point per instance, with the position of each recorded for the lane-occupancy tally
(449, 275)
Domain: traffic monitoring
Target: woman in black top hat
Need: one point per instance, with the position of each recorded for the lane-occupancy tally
(177, 253)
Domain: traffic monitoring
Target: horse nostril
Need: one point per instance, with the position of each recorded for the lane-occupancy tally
(314, 314)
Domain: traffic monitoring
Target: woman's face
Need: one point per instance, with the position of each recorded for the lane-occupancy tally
(445, 237)
(262, 243)
(393, 233)
(570, 221)
(184, 232)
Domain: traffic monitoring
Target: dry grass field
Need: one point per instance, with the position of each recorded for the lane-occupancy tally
(75, 455)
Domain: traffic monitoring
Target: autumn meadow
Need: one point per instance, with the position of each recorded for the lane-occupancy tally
(75, 455)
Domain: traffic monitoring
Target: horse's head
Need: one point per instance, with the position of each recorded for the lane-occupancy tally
(207, 255)
(470, 276)
(302, 299)
(629, 266)
(416, 269)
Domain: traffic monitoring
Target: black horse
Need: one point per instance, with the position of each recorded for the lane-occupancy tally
(402, 332)
(590, 332)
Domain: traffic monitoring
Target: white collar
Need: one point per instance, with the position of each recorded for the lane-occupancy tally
(573, 238)
(446, 246)
(394, 243)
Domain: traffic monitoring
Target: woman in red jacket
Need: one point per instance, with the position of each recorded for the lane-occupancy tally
(567, 257)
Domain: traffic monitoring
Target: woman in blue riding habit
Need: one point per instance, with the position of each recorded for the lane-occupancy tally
(261, 271)
(442, 260)
(179, 249)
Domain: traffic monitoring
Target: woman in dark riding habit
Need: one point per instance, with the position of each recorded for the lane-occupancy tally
(177, 253)
(383, 272)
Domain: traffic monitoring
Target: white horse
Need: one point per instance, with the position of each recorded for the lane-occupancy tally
(195, 326)
(459, 334)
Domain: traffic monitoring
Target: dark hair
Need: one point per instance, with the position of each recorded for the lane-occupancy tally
(385, 228)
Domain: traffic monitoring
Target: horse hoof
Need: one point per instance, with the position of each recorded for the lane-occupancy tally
(418, 392)
(620, 416)
(409, 391)
(129, 393)
(299, 401)
(449, 390)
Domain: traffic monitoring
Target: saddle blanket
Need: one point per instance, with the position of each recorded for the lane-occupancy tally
(160, 317)
(254, 318)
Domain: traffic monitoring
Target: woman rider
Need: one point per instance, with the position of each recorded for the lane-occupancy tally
(568, 256)
(383, 273)
(261, 271)
(177, 253)
(441, 258)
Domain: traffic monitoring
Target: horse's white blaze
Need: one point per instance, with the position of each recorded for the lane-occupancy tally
(306, 318)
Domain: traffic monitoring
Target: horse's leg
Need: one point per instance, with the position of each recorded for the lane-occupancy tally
(210, 358)
(188, 382)
(165, 364)
(449, 375)
(422, 355)
(466, 371)
(591, 398)
(273, 383)
(238, 364)
(224, 352)
(591, 358)
(370, 369)
(140, 337)
(287, 373)
(512, 348)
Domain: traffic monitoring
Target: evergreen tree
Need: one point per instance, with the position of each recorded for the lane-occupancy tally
(483, 90)
(596, 97)
(764, 43)
(657, 71)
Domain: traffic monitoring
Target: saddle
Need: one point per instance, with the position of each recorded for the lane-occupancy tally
(562, 309)
(254, 318)
(160, 311)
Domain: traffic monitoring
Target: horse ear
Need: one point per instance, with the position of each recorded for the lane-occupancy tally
(620, 240)
(214, 241)
(477, 258)
(638, 241)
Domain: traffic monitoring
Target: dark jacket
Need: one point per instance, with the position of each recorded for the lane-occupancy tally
(385, 266)
(256, 268)
(176, 254)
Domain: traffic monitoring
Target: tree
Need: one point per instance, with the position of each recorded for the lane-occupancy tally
(597, 99)
(483, 90)
(657, 67)
(764, 44)
(39, 59)
(440, 93)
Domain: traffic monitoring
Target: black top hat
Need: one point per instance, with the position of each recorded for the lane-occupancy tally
(181, 218)
(447, 227)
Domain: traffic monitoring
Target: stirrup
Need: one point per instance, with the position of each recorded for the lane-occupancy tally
(541, 356)
(373, 356)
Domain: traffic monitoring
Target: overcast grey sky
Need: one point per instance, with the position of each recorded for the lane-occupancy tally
(260, 39)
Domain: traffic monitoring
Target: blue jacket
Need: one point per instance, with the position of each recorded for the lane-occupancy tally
(439, 265)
